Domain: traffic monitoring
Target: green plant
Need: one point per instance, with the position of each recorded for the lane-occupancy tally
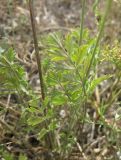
(12, 75)
(65, 68)
(68, 81)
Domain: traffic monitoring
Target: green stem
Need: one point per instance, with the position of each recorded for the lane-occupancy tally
(82, 21)
(94, 51)
(98, 39)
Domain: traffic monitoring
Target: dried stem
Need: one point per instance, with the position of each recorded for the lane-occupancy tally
(38, 58)
(48, 138)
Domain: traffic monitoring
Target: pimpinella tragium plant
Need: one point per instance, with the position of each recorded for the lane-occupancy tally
(69, 70)
(69, 67)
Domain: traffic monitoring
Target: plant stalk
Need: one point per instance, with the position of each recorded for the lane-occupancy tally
(38, 57)
(48, 138)
(98, 39)
(82, 21)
